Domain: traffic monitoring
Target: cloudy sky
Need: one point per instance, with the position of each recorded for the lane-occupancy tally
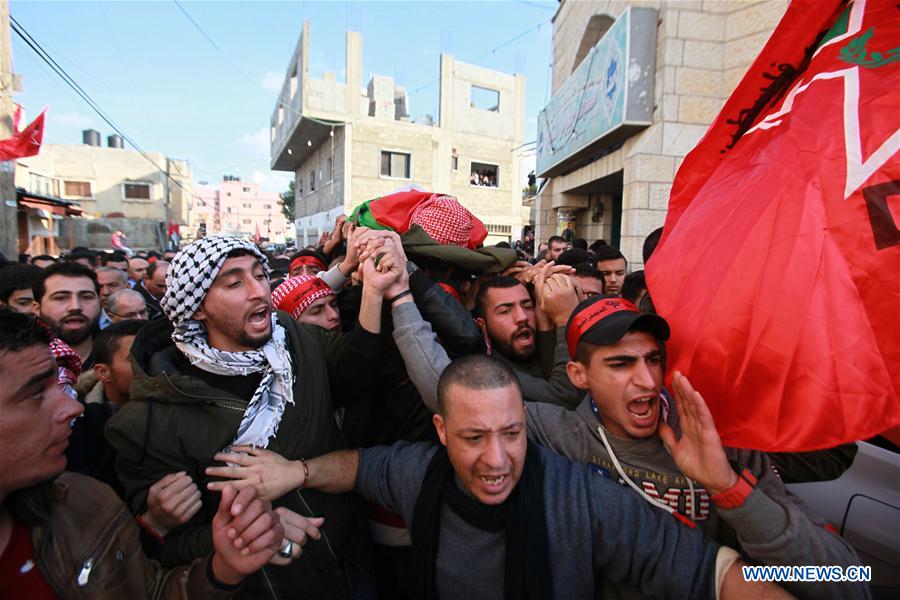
(198, 80)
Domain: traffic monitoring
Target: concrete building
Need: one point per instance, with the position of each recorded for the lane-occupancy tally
(346, 144)
(111, 183)
(635, 85)
(239, 208)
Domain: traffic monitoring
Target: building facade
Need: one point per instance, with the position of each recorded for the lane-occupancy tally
(608, 156)
(347, 144)
(115, 187)
(239, 208)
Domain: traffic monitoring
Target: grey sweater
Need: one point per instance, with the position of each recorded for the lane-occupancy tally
(772, 527)
(596, 531)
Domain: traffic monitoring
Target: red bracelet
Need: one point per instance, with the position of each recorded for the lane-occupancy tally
(736, 494)
(305, 475)
(150, 529)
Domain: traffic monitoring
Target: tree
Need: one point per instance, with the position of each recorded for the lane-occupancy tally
(287, 203)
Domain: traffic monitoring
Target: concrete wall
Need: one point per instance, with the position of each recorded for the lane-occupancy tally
(107, 170)
(94, 233)
(703, 49)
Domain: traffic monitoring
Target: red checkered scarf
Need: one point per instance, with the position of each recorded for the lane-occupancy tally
(443, 218)
(67, 361)
(297, 294)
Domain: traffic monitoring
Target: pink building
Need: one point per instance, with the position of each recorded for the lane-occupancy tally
(238, 208)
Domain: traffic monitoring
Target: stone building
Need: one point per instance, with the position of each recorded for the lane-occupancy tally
(239, 208)
(346, 143)
(113, 185)
(608, 154)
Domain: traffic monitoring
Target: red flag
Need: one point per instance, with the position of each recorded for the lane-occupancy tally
(26, 142)
(256, 237)
(779, 266)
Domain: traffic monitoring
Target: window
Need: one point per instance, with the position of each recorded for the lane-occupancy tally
(246, 221)
(484, 175)
(395, 164)
(312, 181)
(484, 98)
(329, 169)
(81, 189)
(454, 161)
(294, 82)
(246, 190)
(272, 135)
(299, 185)
(280, 115)
(267, 206)
(41, 185)
(137, 191)
(247, 205)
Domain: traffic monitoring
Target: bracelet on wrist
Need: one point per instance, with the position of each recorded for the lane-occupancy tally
(735, 496)
(305, 474)
(402, 294)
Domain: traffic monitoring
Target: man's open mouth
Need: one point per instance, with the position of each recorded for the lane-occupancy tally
(641, 407)
(260, 316)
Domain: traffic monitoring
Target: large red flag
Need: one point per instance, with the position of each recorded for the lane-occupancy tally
(26, 142)
(779, 265)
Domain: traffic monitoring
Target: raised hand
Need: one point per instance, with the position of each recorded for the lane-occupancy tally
(270, 474)
(698, 452)
(171, 502)
(555, 293)
(246, 535)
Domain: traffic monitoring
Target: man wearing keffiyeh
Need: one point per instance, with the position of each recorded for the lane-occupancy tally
(226, 370)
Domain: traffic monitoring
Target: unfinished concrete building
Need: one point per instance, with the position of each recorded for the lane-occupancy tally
(347, 143)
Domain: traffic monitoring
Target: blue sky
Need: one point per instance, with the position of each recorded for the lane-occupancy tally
(169, 88)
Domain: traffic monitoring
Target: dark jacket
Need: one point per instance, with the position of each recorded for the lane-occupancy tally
(153, 306)
(177, 421)
(81, 530)
(394, 410)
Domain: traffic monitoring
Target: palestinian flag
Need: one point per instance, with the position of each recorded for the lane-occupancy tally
(395, 211)
(779, 264)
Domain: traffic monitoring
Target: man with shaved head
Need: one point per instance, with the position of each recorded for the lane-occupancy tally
(542, 526)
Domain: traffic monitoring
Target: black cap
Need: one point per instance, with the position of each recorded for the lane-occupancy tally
(605, 320)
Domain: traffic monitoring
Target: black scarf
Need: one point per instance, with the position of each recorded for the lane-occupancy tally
(522, 515)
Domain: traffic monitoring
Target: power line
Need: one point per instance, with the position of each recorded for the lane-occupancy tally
(244, 74)
(43, 55)
(489, 52)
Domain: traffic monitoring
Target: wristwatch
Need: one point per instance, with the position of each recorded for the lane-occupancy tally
(736, 494)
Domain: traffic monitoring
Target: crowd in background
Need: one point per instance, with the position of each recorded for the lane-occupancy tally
(208, 405)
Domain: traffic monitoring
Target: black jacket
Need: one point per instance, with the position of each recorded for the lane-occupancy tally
(177, 421)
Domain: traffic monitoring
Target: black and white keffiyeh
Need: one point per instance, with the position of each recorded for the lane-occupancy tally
(188, 279)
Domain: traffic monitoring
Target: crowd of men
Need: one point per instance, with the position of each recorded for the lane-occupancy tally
(363, 419)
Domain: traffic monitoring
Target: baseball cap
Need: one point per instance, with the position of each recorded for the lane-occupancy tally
(604, 320)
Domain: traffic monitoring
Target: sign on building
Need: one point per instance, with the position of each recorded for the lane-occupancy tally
(607, 99)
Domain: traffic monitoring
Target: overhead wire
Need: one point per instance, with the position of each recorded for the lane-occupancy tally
(36, 47)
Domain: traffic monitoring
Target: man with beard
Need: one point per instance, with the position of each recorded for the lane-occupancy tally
(64, 535)
(222, 370)
(507, 314)
(494, 515)
(68, 298)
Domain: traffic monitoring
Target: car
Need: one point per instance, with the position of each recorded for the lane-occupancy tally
(864, 506)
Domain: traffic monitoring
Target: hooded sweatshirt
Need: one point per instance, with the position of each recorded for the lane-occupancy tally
(771, 527)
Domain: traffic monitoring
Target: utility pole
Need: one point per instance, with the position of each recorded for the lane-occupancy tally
(8, 220)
